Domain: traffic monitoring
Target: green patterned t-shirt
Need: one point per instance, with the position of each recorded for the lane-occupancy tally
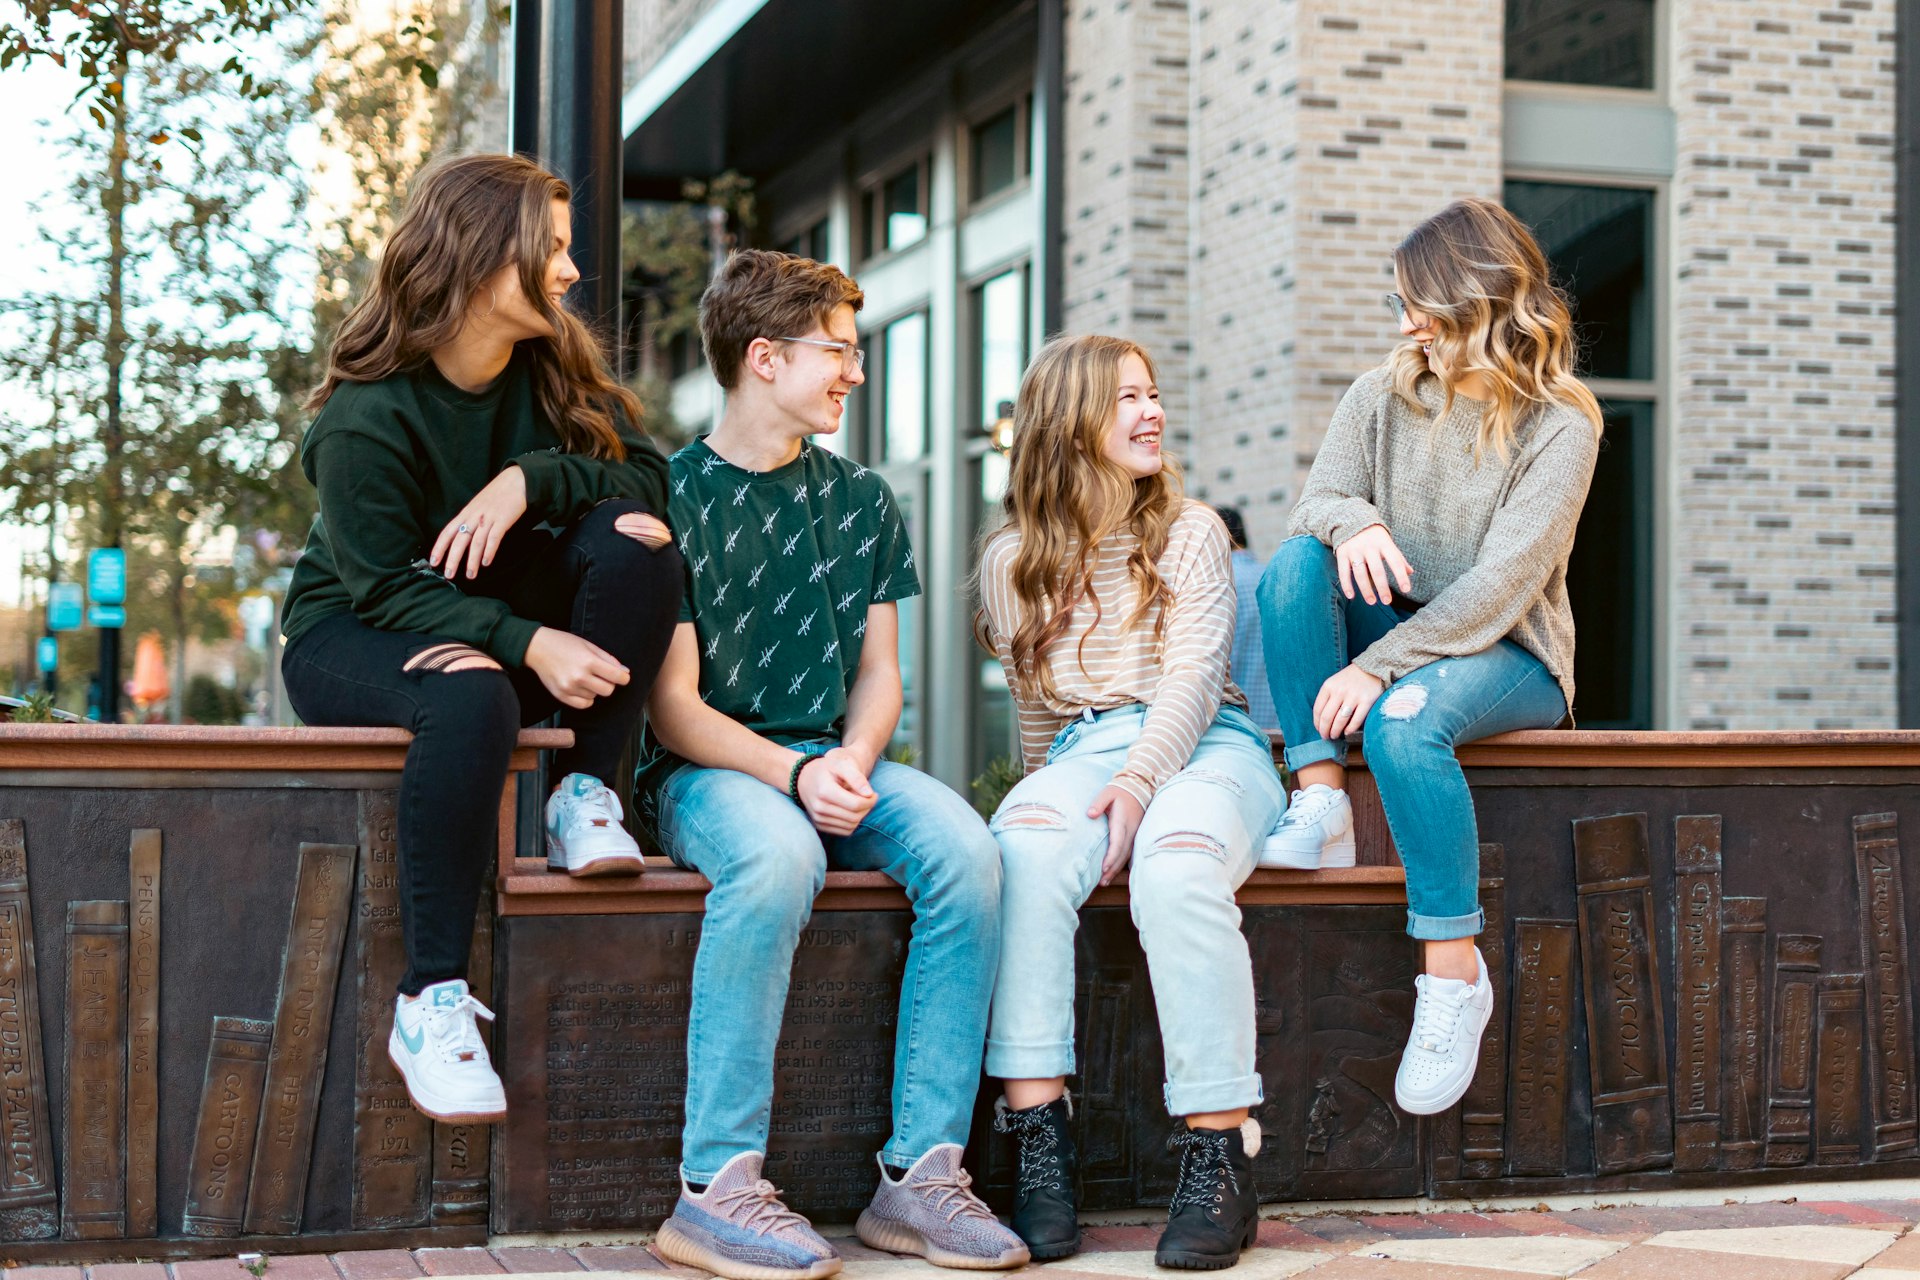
(781, 568)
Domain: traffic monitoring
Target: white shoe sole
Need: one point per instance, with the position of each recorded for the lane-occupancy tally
(877, 1232)
(1434, 1106)
(1340, 853)
(622, 859)
(442, 1109)
(682, 1248)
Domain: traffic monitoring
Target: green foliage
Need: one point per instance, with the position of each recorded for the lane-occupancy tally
(991, 787)
(210, 702)
(35, 708)
(902, 753)
(667, 252)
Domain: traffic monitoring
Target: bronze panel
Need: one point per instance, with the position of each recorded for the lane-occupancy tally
(302, 1027)
(1697, 995)
(460, 1151)
(392, 1142)
(143, 1033)
(1743, 932)
(1889, 983)
(1626, 1041)
(229, 1119)
(1483, 1111)
(93, 1142)
(1840, 1105)
(1541, 1046)
(1796, 974)
(29, 1203)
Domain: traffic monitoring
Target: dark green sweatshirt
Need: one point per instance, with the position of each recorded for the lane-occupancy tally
(395, 460)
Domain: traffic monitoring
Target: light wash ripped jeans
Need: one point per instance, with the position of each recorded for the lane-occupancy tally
(1196, 846)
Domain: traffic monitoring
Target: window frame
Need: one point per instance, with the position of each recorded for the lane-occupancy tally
(1020, 103)
(1662, 86)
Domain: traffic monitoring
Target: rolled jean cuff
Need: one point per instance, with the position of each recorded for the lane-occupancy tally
(1009, 1061)
(1185, 1099)
(1314, 752)
(1445, 928)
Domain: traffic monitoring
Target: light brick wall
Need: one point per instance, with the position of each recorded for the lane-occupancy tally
(1782, 414)
(1127, 234)
(1323, 133)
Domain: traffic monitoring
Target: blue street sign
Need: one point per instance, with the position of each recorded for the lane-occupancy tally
(107, 576)
(49, 654)
(64, 605)
(106, 615)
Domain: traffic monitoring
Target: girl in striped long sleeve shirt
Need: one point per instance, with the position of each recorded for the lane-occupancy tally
(1109, 599)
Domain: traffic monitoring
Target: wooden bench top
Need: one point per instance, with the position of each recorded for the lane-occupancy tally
(225, 747)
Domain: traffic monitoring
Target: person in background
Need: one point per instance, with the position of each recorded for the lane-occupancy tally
(1249, 670)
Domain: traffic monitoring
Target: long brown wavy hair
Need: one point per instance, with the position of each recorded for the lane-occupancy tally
(1478, 273)
(467, 218)
(1065, 497)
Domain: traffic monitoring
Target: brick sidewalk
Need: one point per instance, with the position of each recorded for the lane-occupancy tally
(1791, 1240)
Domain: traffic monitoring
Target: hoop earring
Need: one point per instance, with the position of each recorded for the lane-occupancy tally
(493, 297)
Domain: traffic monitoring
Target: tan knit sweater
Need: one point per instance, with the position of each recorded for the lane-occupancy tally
(1181, 678)
(1488, 541)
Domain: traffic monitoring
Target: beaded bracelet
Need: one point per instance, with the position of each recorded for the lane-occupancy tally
(793, 775)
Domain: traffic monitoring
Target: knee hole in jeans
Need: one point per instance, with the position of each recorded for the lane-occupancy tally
(1404, 702)
(1189, 842)
(650, 530)
(1213, 777)
(447, 659)
(1032, 817)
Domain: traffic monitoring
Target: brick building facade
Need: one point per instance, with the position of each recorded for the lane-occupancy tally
(1714, 180)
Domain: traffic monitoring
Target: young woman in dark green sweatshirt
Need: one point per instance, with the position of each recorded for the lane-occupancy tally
(490, 548)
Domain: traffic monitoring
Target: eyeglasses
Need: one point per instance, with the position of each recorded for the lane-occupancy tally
(852, 358)
(1397, 305)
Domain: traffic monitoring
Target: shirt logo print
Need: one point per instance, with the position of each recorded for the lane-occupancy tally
(827, 487)
(700, 564)
(797, 682)
(860, 630)
(713, 647)
(859, 472)
(823, 569)
(704, 510)
(733, 676)
(846, 521)
(806, 623)
(741, 625)
(833, 647)
(740, 495)
(720, 596)
(866, 546)
(755, 708)
(680, 487)
(800, 493)
(818, 702)
(708, 464)
(847, 599)
(731, 539)
(780, 605)
(766, 654)
(766, 526)
(754, 580)
(787, 548)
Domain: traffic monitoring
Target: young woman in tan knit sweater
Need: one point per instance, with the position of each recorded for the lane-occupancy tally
(1109, 598)
(1430, 566)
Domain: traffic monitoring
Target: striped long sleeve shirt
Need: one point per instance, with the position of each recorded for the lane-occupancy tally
(1181, 677)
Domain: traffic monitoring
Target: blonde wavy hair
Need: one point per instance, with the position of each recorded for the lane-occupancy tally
(1065, 497)
(1476, 271)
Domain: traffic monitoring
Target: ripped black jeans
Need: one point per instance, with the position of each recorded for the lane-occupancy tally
(465, 711)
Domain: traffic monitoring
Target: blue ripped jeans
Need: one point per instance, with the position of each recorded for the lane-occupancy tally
(1195, 847)
(767, 862)
(1310, 631)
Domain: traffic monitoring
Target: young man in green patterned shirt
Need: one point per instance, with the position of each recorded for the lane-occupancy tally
(762, 769)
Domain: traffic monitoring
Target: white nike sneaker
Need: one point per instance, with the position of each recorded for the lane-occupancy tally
(1444, 1049)
(584, 832)
(436, 1046)
(1315, 832)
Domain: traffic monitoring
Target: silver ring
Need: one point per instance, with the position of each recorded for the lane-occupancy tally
(462, 529)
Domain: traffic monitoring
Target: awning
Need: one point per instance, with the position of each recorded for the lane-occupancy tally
(755, 83)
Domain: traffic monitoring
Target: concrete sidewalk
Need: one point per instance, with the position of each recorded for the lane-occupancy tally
(1780, 1239)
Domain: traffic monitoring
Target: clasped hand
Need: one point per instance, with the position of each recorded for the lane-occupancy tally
(835, 792)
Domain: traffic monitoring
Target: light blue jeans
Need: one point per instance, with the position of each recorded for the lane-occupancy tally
(1310, 631)
(767, 862)
(1196, 846)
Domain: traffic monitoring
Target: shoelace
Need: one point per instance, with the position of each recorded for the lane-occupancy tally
(952, 1193)
(1039, 1150)
(1305, 809)
(457, 1037)
(1204, 1168)
(601, 802)
(763, 1208)
(1436, 1018)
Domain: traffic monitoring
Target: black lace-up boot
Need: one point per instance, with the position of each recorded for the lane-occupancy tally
(1045, 1212)
(1215, 1212)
